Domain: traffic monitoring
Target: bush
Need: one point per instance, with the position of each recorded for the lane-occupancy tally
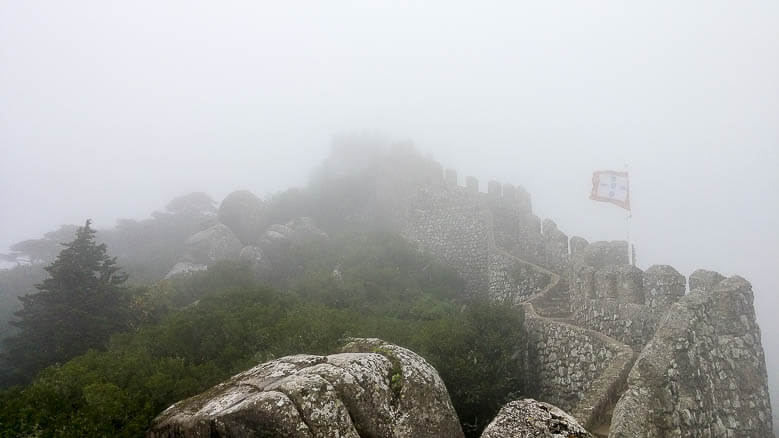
(386, 289)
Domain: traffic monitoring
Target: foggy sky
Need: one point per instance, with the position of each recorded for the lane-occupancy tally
(109, 109)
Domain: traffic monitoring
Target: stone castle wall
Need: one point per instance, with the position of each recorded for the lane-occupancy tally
(575, 368)
(514, 281)
(445, 223)
(700, 371)
(703, 374)
(617, 299)
(470, 230)
(503, 250)
(489, 237)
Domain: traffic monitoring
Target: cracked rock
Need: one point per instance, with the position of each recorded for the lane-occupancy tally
(371, 389)
(531, 418)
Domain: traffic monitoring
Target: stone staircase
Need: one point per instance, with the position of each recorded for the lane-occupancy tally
(601, 430)
(555, 303)
(596, 410)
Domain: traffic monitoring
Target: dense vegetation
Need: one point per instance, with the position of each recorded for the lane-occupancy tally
(207, 326)
(145, 249)
(76, 308)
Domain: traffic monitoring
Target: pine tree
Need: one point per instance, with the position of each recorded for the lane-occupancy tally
(76, 308)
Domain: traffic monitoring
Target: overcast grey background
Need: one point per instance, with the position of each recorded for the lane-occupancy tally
(109, 109)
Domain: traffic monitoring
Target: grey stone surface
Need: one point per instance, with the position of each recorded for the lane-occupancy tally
(371, 389)
(494, 189)
(581, 363)
(531, 418)
(600, 254)
(244, 213)
(620, 301)
(704, 280)
(565, 360)
(472, 184)
(450, 177)
(513, 281)
(703, 374)
(448, 225)
(304, 230)
(253, 255)
(577, 245)
(663, 286)
(555, 246)
(630, 284)
(184, 268)
(212, 244)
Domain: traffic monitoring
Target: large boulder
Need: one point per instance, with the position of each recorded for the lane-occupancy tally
(371, 389)
(530, 418)
(212, 244)
(252, 255)
(304, 229)
(245, 214)
(184, 268)
(278, 238)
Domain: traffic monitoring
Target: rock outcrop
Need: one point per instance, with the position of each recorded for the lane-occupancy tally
(278, 237)
(371, 389)
(184, 268)
(212, 244)
(530, 418)
(244, 213)
(703, 374)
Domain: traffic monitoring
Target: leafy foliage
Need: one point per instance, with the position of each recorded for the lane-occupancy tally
(384, 288)
(76, 308)
(146, 249)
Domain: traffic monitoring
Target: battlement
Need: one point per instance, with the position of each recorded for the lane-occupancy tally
(505, 251)
(658, 286)
(507, 195)
(703, 372)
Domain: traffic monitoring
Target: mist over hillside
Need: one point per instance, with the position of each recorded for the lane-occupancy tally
(110, 111)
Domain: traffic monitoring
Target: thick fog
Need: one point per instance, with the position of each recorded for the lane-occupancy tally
(109, 109)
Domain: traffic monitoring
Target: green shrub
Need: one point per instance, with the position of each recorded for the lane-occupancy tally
(387, 289)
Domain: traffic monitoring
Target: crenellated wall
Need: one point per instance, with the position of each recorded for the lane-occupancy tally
(703, 374)
(588, 313)
(611, 310)
(448, 225)
(481, 235)
(618, 299)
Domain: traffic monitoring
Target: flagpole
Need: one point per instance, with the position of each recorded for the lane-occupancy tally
(630, 253)
(627, 219)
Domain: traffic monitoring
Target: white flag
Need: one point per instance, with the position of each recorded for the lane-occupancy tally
(611, 186)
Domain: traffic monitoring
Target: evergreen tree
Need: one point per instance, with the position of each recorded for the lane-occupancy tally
(76, 308)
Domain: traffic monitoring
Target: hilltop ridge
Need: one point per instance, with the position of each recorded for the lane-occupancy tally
(627, 352)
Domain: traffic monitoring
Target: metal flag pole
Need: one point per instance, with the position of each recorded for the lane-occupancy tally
(631, 258)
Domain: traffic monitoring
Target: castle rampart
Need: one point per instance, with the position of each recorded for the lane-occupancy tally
(478, 233)
(574, 368)
(613, 309)
(618, 299)
(701, 369)
(703, 374)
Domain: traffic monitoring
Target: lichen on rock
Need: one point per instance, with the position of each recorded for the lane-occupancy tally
(531, 418)
(350, 394)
